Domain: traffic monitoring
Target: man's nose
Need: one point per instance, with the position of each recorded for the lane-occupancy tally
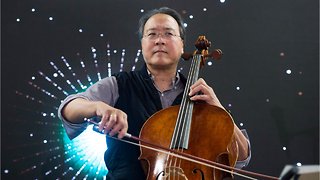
(159, 39)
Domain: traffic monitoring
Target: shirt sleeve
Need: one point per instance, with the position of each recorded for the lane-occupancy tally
(105, 90)
(244, 163)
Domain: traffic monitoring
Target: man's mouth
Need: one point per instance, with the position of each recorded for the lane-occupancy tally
(159, 51)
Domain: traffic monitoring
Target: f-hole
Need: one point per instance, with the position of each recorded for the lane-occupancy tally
(196, 170)
(162, 172)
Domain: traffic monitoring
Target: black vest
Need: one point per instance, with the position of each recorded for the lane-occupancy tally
(139, 99)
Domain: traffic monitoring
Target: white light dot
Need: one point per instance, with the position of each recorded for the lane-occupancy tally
(229, 105)
(204, 9)
(284, 148)
(267, 100)
(18, 20)
(80, 30)
(101, 35)
(31, 134)
(33, 78)
(209, 63)
(55, 74)
(114, 51)
(44, 114)
(6, 171)
(300, 93)
(238, 88)
(33, 9)
(142, 10)
(288, 71)
(222, 1)
(50, 18)
(191, 16)
(241, 124)
(185, 24)
(282, 54)
(299, 164)
(45, 141)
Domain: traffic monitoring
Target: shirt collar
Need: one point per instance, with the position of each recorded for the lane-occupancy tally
(175, 80)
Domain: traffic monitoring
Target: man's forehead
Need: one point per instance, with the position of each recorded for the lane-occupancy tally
(161, 20)
(160, 29)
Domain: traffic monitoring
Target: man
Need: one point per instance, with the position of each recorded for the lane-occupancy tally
(126, 100)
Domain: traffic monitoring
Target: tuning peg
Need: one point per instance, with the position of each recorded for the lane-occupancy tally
(215, 54)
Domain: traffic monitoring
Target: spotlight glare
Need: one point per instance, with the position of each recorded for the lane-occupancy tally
(299, 164)
(81, 147)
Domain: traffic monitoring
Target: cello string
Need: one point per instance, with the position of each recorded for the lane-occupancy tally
(180, 118)
(181, 113)
(188, 103)
(186, 109)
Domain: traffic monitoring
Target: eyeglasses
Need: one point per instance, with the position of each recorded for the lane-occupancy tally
(155, 35)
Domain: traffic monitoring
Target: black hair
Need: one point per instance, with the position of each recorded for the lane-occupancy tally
(162, 10)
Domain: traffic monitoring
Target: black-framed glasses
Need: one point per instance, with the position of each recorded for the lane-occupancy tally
(156, 35)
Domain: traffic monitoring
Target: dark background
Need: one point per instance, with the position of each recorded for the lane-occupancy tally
(261, 40)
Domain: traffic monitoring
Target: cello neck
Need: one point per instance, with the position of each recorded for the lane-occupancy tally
(181, 132)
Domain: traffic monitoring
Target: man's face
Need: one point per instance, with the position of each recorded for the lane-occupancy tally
(161, 43)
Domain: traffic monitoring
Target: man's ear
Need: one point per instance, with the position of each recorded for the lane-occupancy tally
(182, 50)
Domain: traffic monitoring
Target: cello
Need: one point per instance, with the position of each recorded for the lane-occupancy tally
(198, 129)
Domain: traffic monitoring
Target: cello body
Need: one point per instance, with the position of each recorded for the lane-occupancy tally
(211, 138)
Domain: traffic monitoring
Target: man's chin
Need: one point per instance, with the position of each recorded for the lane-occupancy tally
(162, 65)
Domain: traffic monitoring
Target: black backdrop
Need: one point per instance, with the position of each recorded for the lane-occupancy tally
(268, 77)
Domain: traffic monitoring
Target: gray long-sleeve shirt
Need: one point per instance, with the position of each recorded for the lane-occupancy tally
(106, 90)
